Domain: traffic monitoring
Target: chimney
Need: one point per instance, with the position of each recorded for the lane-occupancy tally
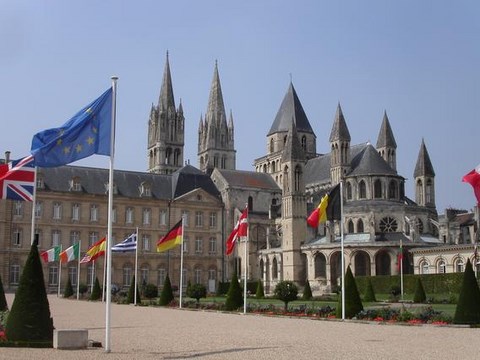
(7, 157)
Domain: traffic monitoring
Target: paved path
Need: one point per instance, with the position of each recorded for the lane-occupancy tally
(160, 333)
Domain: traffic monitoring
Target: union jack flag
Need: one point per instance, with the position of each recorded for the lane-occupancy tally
(17, 179)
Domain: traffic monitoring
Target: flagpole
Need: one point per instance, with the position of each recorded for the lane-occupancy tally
(401, 269)
(136, 267)
(59, 272)
(93, 275)
(342, 255)
(245, 270)
(34, 205)
(78, 269)
(110, 205)
(104, 277)
(181, 263)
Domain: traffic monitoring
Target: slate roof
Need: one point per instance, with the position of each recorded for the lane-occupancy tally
(424, 166)
(339, 128)
(249, 179)
(385, 136)
(290, 109)
(369, 162)
(189, 178)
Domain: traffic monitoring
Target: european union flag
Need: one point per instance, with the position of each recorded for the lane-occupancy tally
(88, 132)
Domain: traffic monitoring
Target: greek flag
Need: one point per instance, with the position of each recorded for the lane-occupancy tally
(129, 244)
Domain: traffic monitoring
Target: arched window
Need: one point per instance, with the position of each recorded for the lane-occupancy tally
(377, 189)
(274, 269)
(304, 143)
(362, 190)
(441, 267)
(250, 203)
(271, 145)
(424, 267)
(349, 191)
(320, 266)
(428, 192)
(392, 190)
(297, 179)
(419, 193)
(459, 265)
(350, 227)
(388, 224)
(360, 228)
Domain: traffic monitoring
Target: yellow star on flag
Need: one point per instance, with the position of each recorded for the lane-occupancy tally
(78, 148)
(90, 140)
(59, 142)
(66, 150)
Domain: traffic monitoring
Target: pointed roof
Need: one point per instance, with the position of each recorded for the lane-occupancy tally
(215, 99)
(293, 150)
(230, 120)
(339, 128)
(369, 162)
(385, 136)
(290, 110)
(424, 165)
(166, 99)
(189, 178)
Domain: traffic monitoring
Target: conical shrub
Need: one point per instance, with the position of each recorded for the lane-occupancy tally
(419, 296)
(307, 291)
(369, 292)
(468, 306)
(96, 291)
(29, 319)
(166, 296)
(353, 303)
(3, 300)
(131, 293)
(68, 289)
(234, 295)
(260, 293)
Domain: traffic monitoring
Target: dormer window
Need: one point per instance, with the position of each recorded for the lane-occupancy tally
(115, 189)
(145, 190)
(40, 181)
(75, 184)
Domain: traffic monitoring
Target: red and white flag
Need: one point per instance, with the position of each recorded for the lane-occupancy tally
(473, 178)
(240, 229)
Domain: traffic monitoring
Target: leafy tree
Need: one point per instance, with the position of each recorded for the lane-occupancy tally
(197, 292)
(151, 291)
(29, 319)
(3, 300)
(420, 296)
(234, 295)
(307, 291)
(468, 306)
(131, 293)
(68, 291)
(260, 294)
(369, 292)
(286, 291)
(166, 296)
(96, 291)
(353, 303)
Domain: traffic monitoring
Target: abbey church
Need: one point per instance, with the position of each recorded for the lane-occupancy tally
(286, 184)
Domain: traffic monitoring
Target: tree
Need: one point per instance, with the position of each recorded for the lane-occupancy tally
(96, 291)
(197, 292)
(234, 295)
(369, 292)
(3, 300)
(260, 294)
(131, 293)
(166, 296)
(68, 291)
(151, 291)
(420, 296)
(29, 319)
(286, 291)
(468, 306)
(307, 291)
(353, 303)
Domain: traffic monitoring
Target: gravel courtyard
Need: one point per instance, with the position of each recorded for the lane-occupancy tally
(160, 333)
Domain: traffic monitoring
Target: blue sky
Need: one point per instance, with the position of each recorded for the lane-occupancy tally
(418, 60)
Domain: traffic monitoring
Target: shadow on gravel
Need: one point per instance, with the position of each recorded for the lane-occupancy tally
(201, 354)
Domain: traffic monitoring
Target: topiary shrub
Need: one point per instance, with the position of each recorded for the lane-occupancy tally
(68, 291)
(166, 296)
(234, 295)
(369, 292)
(131, 293)
(150, 291)
(3, 300)
(259, 293)
(197, 292)
(82, 289)
(29, 320)
(420, 296)
(307, 292)
(468, 307)
(96, 291)
(286, 291)
(353, 303)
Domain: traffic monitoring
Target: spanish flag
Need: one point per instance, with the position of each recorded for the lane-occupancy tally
(95, 251)
(328, 209)
(173, 238)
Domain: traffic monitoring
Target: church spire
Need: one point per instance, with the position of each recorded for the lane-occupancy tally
(339, 130)
(166, 99)
(216, 108)
(386, 145)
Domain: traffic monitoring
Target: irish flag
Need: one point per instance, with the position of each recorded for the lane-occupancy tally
(72, 253)
(51, 255)
(171, 239)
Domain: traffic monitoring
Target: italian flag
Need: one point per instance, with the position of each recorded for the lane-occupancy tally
(51, 255)
(72, 253)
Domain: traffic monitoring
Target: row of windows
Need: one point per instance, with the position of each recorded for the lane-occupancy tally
(440, 267)
(57, 214)
(380, 190)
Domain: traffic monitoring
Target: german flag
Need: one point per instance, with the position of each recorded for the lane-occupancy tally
(328, 209)
(173, 238)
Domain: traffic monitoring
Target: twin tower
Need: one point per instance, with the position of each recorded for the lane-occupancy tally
(166, 131)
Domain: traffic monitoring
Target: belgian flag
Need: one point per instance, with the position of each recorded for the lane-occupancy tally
(328, 209)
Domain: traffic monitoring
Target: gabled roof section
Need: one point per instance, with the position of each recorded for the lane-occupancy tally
(166, 99)
(290, 110)
(339, 129)
(424, 166)
(385, 136)
(248, 179)
(369, 162)
(293, 150)
(189, 178)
